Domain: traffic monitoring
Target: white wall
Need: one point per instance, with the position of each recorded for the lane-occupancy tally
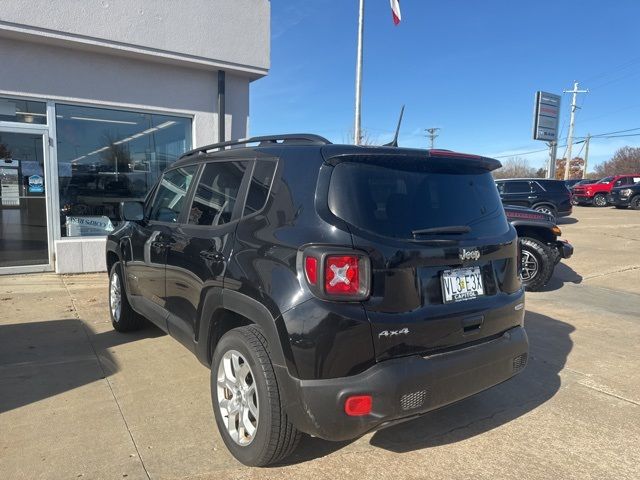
(233, 34)
(35, 69)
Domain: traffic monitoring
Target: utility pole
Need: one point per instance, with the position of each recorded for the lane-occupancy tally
(356, 128)
(575, 93)
(553, 149)
(432, 133)
(586, 155)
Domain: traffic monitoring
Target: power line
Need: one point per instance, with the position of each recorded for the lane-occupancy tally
(618, 131)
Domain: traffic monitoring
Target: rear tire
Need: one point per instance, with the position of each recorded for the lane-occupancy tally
(246, 400)
(537, 264)
(600, 200)
(123, 317)
(634, 203)
(548, 209)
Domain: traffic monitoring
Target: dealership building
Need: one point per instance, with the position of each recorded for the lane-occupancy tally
(97, 98)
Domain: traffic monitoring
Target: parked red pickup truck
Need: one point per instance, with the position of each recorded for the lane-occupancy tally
(596, 193)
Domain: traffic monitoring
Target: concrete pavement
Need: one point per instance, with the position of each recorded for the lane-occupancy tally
(78, 400)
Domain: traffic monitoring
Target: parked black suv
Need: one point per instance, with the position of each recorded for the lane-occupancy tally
(331, 289)
(543, 195)
(625, 196)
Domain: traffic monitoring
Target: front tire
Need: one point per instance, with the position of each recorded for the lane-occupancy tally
(537, 264)
(634, 203)
(123, 317)
(600, 200)
(246, 400)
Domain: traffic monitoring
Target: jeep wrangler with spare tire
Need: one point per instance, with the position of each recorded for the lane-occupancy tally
(540, 248)
(331, 289)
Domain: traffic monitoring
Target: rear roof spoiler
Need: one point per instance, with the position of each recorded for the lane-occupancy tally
(334, 154)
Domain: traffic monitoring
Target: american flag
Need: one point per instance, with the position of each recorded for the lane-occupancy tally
(395, 11)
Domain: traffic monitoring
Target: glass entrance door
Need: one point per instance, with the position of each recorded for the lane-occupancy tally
(24, 234)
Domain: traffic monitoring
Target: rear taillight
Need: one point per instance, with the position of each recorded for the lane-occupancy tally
(334, 273)
(311, 269)
(341, 274)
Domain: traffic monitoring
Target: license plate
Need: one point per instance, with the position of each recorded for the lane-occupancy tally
(461, 284)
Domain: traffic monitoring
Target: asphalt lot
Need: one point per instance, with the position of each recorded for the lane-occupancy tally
(78, 400)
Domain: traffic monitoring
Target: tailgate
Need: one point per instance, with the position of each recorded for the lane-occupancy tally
(444, 259)
(409, 310)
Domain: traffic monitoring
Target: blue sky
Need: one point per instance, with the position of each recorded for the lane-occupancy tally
(468, 67)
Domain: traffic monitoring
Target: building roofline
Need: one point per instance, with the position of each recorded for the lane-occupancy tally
(83, 42)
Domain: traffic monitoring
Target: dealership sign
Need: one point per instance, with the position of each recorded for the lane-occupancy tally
(545, 116)
(88, 225)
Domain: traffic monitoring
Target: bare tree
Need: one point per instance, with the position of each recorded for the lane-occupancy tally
(625, 160)
(515, 167)
(366, 138)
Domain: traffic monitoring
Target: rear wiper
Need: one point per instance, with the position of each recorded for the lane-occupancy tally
(453, 229)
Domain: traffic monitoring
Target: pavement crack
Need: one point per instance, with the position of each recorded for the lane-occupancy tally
(625, 269)
(106, 377)
(589, 383)
(621, 236)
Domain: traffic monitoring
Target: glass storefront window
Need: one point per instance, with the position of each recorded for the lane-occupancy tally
(108, 156)
(23, 111)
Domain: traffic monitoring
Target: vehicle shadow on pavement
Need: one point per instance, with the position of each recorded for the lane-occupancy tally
(41, 359)
(550, 344)
(562, 274)
(566, 220)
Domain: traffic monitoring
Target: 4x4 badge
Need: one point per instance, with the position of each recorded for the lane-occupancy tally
(470, 254)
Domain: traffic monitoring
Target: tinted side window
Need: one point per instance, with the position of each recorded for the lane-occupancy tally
(260, 185)
(553, 186)
(517, 187)
(171, 193)
(536, 187)
(217, 193)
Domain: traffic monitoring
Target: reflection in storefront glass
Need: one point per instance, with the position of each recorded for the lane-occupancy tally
(23, 111)
(108, 156)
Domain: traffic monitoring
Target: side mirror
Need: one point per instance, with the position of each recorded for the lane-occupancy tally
(131, 211)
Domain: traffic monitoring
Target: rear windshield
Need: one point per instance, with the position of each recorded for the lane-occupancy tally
(393, 201)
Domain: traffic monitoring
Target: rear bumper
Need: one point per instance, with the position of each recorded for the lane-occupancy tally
(564, 213)
(403, 387)
(582, 199)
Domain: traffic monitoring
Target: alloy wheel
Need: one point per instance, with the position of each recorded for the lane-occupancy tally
(115, 297)
(600, 200)
(530, 266)
(546, 210)
(238, 397)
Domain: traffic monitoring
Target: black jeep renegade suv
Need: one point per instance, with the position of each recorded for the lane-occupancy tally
(331, 289)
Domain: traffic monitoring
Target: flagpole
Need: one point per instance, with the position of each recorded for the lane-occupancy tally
(356, 129)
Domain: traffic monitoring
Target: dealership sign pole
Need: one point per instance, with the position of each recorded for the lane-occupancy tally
(545, 125)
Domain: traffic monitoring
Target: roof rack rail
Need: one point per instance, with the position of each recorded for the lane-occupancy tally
(265, 140)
